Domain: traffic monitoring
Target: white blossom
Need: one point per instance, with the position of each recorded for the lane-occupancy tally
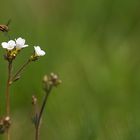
(38, 51)
(9, 45)
(20, 43)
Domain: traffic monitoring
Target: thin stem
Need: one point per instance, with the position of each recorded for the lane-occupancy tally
(8, 89)
(8, 94)
(8, 135)
(37, 126)
(19, 71)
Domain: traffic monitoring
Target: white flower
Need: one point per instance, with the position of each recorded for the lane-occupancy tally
(38, 51)
(8, 45)
(20, 43)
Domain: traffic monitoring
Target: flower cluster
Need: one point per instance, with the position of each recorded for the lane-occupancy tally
(51, 80)
(13, 47)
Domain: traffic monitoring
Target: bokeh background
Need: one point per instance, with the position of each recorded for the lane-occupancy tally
(94, 46)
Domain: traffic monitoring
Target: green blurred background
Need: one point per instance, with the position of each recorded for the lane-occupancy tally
(94, 45)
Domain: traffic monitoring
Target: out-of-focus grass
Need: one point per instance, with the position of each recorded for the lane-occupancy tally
(94, 46)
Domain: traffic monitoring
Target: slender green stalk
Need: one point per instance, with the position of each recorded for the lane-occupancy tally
(37, 126)
(19, 71)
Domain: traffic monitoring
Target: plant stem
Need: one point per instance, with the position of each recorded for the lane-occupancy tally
(8, 94)
(8, 89)
(37, 126)
(19, 71)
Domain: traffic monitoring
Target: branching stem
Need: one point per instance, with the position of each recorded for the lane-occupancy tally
(19, 71)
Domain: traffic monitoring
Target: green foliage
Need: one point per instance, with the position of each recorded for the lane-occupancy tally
(94, 45)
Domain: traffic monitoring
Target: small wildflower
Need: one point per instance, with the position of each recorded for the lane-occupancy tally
(13, 48)
(10, 45)
(20, 43)
(38, 51)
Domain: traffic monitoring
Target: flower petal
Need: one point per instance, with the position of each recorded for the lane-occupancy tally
(25, 46)
(20, 43)
(11, 45)
(38, 51)
(4, 45)
(42, 53)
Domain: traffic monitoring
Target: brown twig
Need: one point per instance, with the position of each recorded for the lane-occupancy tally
(8, 88)
(8, 94)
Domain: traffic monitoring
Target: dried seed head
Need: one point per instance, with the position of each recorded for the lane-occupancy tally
(45, 79)
(34, 100)
(50, 81)
(55, 79)
(5, 123)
